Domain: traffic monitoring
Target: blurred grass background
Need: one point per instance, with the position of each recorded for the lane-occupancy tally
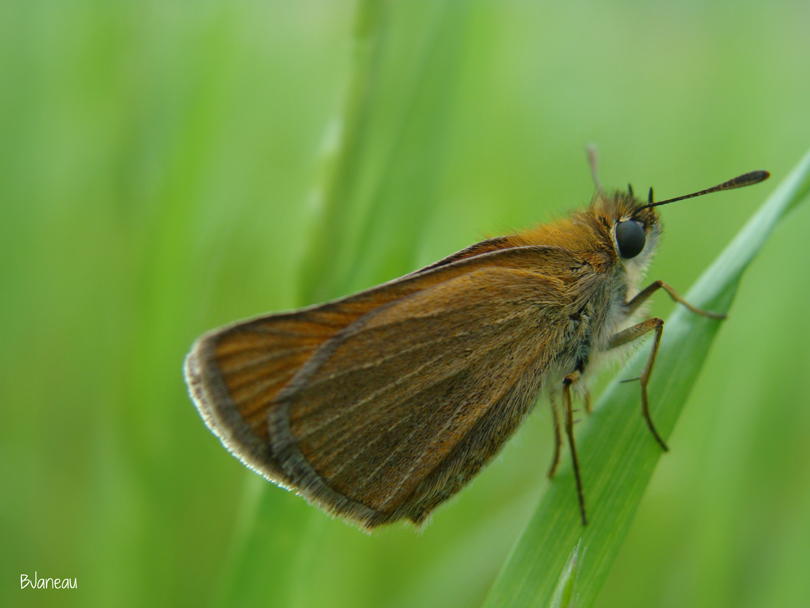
(164, 169)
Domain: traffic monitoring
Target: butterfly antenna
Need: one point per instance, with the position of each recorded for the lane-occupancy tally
(593, 162)
(748, 179)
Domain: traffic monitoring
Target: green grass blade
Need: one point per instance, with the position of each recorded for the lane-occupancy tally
(565, 594)
(617, 453)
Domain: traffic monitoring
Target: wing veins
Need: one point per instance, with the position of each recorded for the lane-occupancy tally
(257, 361)
(401, 379)
(342, 412)
(348, 370)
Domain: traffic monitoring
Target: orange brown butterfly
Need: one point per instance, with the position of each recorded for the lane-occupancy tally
(381, 405)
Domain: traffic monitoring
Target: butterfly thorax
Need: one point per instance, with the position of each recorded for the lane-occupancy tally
(604, 282)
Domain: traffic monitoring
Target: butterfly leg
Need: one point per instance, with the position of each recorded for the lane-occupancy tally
(555, 416)
(645, 293)
(633, 333)
(587, 399)
(568, 411)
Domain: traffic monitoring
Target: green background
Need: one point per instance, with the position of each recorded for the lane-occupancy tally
(167, 167)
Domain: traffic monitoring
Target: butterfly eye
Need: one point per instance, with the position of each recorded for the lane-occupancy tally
(630, 238)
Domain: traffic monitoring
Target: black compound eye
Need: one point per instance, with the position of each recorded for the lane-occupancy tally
(630, 238)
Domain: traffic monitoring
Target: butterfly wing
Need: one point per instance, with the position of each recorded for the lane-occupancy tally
(382, 405)
(235, 373)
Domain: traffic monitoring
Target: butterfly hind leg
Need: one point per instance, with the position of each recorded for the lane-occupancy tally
(568, 412)
(555, 416)
(568, 421)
